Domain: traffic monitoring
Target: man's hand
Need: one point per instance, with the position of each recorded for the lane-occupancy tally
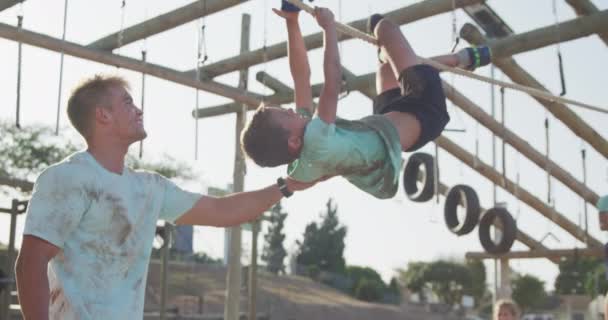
(325, 18)
(289, 16)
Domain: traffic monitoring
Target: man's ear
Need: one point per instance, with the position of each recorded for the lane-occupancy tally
(294, 143)
(102, 115)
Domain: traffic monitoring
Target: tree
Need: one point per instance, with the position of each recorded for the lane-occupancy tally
(367, 285)
(528, 292)
(274, 252)
(448, 280)
(27, 151)
(477, 289)
(575, 274)
(324, 246)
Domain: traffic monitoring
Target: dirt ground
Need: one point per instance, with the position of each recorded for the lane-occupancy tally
(196, 289)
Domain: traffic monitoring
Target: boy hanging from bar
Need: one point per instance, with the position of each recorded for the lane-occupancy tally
(409, 111)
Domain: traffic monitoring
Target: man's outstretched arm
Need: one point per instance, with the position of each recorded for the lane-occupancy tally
(328, 101)
(298, 60)
(237, 208)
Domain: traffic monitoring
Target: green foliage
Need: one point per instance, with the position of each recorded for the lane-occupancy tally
(274, 251)
(25, 152)
(393, 288)
(324, 246)
(596, 282)
(477, 288)
(448, 280)
(577, 276)
(369, 290)
(528, 292)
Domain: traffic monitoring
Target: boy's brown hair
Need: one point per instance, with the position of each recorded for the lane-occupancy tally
(264, 140)
(87, 96)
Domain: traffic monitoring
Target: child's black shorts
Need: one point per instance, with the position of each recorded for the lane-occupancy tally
(420, 94)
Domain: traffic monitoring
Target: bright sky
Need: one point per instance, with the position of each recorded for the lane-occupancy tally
(382, 234)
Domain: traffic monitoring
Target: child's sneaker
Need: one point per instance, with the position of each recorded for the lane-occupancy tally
(288, 6)
(372, 21)
(479, 57)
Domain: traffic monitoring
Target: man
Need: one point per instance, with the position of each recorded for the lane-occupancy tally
(91, 220)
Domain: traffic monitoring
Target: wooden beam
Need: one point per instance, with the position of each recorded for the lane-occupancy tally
(273, 83)
(5, 4)
(76, 50)
(535, 254)
(401, 16)
(517, 191)
(519, 144)
(23, 185)
(538, 38)
(562, 112)
(585, 8)
(162, 23)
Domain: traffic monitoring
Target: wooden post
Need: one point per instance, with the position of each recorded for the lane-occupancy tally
(542, 37)
(162, 23)
(233, 278)
(562, 112)
(584, 8)
(5, 4)
(76, 50)
(165, 270)
(538, 254)
(504, 291)
(253, 270)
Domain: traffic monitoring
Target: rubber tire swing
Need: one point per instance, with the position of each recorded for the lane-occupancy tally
(410, 177)
(509, 230)
(471, 203)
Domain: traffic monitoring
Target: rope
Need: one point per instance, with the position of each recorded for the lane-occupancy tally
(265, 51)
(19, 56)
(144, 53)
(584, 162)
(65, 20)
(348, 30)
(455, 37)
(143, 95)
(559, 52)
(547, 168)
(502, 121)
(493, 113)
(121, 33)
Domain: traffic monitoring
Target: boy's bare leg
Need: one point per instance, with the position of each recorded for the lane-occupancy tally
(450, 60)
(395, 47)
(401, 56)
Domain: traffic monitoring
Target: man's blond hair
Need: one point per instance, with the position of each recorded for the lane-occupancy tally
(89, 95)
(508, 305)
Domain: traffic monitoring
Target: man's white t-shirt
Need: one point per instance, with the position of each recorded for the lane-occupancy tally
(105, 224)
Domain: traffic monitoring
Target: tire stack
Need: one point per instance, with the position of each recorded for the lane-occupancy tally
(419, 186)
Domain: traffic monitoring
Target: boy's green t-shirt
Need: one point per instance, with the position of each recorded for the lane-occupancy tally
(366, 152)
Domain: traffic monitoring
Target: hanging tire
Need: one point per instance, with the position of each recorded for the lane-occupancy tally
(470, 203)
(410, 177)
(509, 230)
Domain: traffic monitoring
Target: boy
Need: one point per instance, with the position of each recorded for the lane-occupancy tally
(409, 112)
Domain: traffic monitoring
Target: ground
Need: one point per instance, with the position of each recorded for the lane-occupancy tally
(194, 287)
